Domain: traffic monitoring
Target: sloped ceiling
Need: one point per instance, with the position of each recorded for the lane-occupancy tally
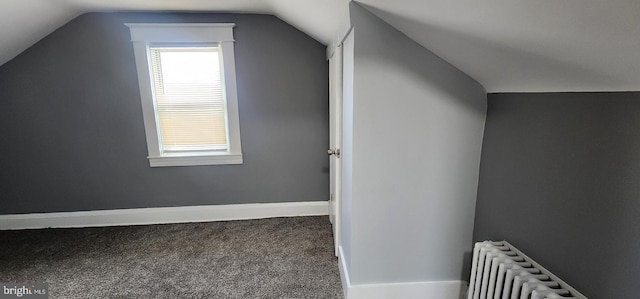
(529, 45)
(507, 45)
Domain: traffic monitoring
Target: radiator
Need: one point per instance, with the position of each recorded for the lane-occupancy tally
(500, 271)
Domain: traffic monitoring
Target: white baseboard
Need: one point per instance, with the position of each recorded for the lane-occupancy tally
(344, 273)
(163, 215)
(454, 289)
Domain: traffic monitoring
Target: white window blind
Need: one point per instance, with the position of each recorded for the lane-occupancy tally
(189, 98)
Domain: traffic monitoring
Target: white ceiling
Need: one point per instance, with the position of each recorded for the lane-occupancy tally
(507, 45)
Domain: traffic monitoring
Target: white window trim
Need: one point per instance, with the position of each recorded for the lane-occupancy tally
(144, 34)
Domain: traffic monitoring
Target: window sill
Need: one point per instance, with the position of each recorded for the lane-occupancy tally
(195, 160)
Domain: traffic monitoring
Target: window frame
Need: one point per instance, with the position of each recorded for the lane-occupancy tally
(146, 35)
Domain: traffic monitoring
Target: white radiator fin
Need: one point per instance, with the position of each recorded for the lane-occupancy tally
(500, 271)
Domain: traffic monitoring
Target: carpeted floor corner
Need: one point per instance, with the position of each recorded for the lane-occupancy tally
(266, 258)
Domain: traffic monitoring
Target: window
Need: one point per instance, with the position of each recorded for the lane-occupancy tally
(188, 90)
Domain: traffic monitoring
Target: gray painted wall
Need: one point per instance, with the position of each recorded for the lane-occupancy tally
(73, 135)
(560, 180)
(346, 154)
(417, 134)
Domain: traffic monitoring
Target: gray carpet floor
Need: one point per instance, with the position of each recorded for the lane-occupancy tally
(267, 258)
